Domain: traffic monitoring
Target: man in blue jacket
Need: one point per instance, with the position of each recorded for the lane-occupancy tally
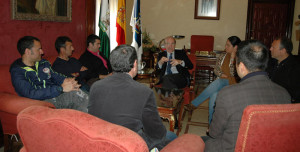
(33, 77)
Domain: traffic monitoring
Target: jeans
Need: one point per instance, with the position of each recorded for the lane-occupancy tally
(171, 135)
(210, 92)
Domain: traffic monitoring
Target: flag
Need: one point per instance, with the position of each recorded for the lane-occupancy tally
(121, 23)
(135, 22)
(104, 28)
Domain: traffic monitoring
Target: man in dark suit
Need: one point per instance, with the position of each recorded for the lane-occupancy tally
(97, 64)
(174, 65)
(121, 100)
(254, 88)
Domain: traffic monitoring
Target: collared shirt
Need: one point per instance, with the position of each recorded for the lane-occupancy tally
(252, 74)
(99, 56)
(173, 68)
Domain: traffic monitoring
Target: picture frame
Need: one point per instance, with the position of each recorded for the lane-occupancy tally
(42, 10)
(207, 9)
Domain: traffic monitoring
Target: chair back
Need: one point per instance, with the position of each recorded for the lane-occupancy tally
(61, 130)
(5, 81)
(269, 128)
(201, 43)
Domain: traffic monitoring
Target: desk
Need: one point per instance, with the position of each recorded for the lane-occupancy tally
(205, 67)
(170, 103)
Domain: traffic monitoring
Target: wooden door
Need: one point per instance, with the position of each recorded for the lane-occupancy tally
(268, 19)
(90, 16)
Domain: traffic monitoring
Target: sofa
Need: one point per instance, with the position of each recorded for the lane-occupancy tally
(60, 130)
(11, 104)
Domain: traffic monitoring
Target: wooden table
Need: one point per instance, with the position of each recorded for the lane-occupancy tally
(145, 74)
(170, 103)
(205, 63)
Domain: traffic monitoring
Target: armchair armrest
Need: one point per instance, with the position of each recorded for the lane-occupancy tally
(13, 104)
(185, 143)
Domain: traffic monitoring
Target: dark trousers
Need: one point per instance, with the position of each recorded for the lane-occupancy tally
(154, 142)
(171, 81)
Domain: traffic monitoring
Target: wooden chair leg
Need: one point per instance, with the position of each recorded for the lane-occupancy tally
(12, 143)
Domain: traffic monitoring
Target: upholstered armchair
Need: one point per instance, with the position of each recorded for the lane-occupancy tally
(269, 128)
(61, 130)
(202, 43)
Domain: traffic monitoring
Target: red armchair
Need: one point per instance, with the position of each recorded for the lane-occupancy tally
(46, 129)
(269, 128)
(202, 43)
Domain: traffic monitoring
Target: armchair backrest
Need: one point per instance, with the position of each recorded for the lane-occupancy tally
(269, 128)
(5, 81)
(202, 43)
(61, 130)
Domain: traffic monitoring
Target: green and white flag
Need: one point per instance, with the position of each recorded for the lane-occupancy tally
(104, 23)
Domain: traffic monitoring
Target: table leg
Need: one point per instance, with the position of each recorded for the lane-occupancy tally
(172, 122)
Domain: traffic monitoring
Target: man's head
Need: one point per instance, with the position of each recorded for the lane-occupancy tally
(64, 46)
(251, 56)
(30, 48)
(170, 43)
(124, 59)
(281, 48)
(93, 43)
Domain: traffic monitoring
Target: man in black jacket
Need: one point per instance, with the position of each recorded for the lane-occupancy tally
(67, 65)
(174, 65)
(284, 69)
(97, 64)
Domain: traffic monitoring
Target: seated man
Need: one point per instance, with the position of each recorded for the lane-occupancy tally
(284, 69)
(67, 65)
(121, 100)
(174, 65)
(33, 77)
(254, 88)
(98, 65)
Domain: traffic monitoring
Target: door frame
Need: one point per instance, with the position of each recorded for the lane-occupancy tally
(291, 7)
(90, 11)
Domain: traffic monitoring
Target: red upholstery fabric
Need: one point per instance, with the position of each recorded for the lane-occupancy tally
(10, 106)
(5, 81)
(185, 143)
(202, 43)
(269, 128)
(62, 130)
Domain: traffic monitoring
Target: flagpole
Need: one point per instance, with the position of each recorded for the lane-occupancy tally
(135, 22)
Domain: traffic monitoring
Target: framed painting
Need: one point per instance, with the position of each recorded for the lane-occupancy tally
(42, 10)
(207, 9)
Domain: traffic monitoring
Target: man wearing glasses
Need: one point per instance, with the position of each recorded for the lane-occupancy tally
(174, 66)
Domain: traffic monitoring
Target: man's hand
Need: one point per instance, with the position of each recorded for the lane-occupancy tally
(175, 62)
(163, 60)
(83, 68)
(70, 84)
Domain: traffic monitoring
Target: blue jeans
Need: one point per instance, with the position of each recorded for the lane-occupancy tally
(210, 92)
(171, 135)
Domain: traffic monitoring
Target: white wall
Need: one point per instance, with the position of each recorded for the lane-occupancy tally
(176, 17)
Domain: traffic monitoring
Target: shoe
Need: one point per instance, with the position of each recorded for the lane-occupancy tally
(207, 132)
(190, 107)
